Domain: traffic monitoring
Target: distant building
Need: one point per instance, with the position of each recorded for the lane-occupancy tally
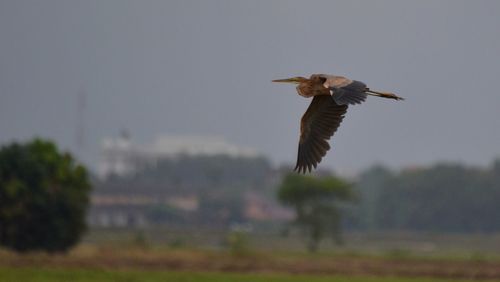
(120, 156)
(128, 204)
(130, 210)
(122, 210)
(257, 207)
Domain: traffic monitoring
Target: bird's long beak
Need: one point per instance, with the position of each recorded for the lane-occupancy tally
(294, 80)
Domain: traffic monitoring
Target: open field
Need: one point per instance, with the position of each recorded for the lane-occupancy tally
(160, 255)
(470, 247)
(77, 275)
(111, 259)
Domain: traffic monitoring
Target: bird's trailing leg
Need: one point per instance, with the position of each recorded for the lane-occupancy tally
(383, 94)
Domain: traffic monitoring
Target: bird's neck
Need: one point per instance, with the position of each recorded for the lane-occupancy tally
(311, 89)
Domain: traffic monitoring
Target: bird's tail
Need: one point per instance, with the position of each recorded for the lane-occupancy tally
(383, 94)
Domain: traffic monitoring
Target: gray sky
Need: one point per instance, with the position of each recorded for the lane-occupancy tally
(204, 67)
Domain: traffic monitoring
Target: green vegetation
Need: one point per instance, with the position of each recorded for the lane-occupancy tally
(198, 173)
(386, 200)
(315, 201)
(43, 197)
(76, 275)
(108, 262)
(218, 183)
(238, 243)
(441, 198)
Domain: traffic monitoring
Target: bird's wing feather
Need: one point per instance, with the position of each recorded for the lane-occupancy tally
(345, 91)
(317, 125)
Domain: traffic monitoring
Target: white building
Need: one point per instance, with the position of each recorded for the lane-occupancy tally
(122, 157)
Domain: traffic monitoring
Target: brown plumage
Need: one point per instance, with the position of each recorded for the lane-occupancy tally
(331, 97)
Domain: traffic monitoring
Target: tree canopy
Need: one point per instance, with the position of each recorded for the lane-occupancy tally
(44, 195)
(440, 198)
(316, 204)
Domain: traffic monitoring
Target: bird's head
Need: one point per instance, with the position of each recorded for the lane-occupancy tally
(294, 80)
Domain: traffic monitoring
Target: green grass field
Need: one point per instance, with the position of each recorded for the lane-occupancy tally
(122, 257)
(77, 275)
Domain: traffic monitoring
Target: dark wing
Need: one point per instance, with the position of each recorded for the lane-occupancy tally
(346, 91)
(317, 125)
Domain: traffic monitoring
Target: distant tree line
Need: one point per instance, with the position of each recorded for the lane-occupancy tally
(444, 197)
(44, 194)
(219, 182)
(440, 198)
(195, 173)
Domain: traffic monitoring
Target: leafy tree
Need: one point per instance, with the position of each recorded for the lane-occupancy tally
(441, 198)
(368, 188)
(43, 197)
(316, 204)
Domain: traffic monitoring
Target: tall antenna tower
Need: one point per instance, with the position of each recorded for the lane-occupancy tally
(81, 101)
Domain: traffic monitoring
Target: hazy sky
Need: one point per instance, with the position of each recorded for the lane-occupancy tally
(204, 67)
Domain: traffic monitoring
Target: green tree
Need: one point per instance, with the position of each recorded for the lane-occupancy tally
(44, 195)
(316, 204)
(441, 198)
(368, 188)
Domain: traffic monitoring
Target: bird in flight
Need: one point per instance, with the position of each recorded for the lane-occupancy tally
(331, 96)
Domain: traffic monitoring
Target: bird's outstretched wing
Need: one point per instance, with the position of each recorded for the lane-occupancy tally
(317, 125)
(344, 90)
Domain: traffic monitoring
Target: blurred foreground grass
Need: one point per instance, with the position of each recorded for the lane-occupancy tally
(90, 262)
(428, 246)
(77, 275)
(121, 255)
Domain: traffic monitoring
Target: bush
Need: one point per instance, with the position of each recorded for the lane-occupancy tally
(44, 195)
(238, 242)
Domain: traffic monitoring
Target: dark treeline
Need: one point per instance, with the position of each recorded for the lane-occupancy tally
(440, 198)
(218, 184)
(187, 174)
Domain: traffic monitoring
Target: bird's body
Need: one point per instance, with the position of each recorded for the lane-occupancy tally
(331, 97)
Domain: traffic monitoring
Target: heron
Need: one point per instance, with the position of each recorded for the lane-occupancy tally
(332, 95)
